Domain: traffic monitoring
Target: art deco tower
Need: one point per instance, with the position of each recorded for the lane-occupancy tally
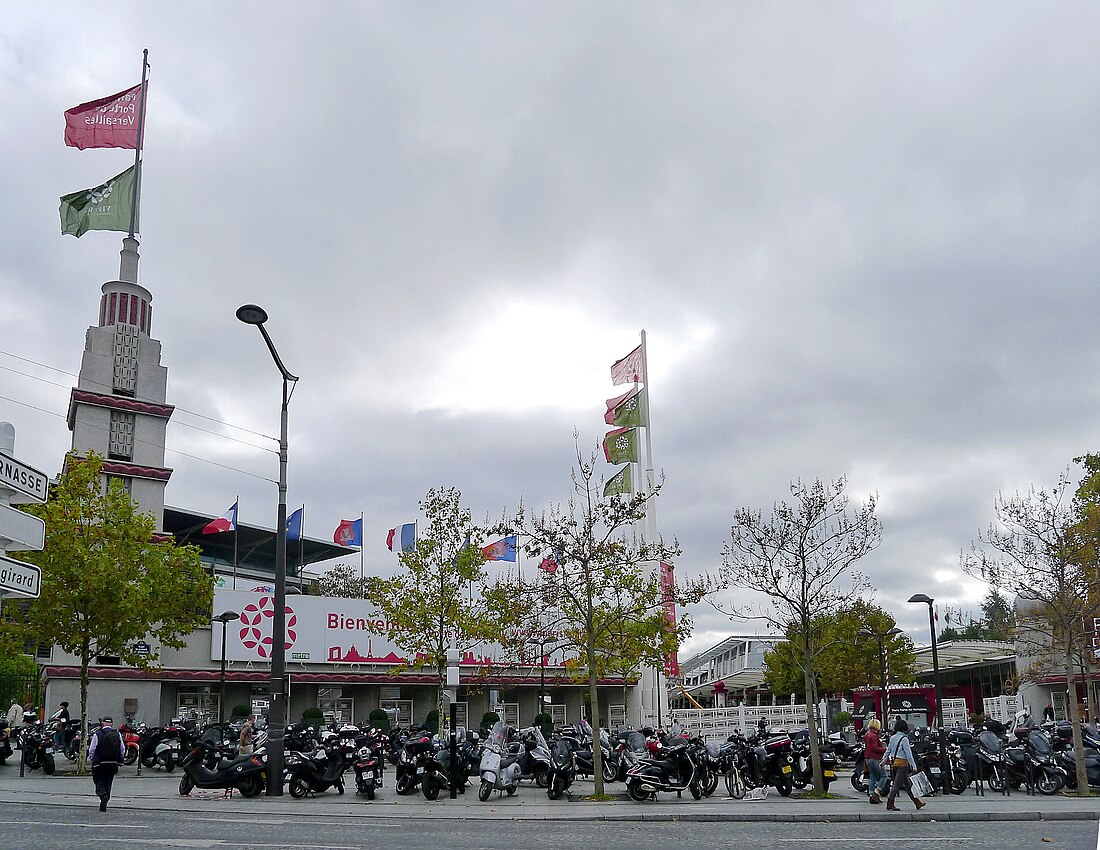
(117, 408)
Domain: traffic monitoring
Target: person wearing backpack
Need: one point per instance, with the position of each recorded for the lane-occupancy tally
(105, 751)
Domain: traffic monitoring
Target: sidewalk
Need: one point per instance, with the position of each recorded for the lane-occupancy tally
(157, 790)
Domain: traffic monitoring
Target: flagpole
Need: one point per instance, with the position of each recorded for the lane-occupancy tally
(137, 150)
(236, 525)
(651, 507)
(301, 549)
(362, 546)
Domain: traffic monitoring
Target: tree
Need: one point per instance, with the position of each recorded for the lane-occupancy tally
(1041, 548)
(442, 600)
(106, 582)
(843, 660)
(344, 582)
(604, 600)
(998, 621)
(800, 558)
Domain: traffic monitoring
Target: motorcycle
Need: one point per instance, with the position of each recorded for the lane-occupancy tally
(533, 755)
(1030, 762)
(160, 747)
(803, 772)
(37, 745)
(499, 768)
(5, 740)
(438, 775)
(767, 761)
(245, 773)
(312, 773)
(667, 768)
(563, 766)
(369, 764)
(412, 762)
(583, 754)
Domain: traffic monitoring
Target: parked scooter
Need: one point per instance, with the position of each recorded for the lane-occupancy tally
(160, 747)
(131, 738)
(369, 763)
(245, 773)
(803, 773)
(37, 745)
(563, 766)
(412, 762)
(313, 773)
(438, 774)
(500, 769)
(5, 740)
(668, 768)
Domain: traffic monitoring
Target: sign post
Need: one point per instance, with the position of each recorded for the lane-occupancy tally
(20, 484)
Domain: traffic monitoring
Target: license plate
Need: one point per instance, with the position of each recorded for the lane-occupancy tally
(786, 768)
(830, 774)
(49, 750)
(422, 770)
(933, 770)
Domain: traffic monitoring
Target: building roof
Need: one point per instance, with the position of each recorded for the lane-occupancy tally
(960, 654)
(722, 646)
(255, 545)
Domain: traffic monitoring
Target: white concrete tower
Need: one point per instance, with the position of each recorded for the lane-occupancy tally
(117, 408)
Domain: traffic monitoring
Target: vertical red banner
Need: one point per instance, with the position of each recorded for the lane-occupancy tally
(668, 601)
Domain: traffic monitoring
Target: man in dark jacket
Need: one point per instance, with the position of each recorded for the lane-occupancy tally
(105, 751)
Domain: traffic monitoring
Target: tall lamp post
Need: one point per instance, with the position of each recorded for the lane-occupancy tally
(928, 600)
(880, 640)
(250, 314)
(225, 617)
(541, 644)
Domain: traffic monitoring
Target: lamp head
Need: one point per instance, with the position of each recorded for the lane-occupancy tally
(251, 314)
(226, 617)
(865, 632)
(894, 631)
(921, 597)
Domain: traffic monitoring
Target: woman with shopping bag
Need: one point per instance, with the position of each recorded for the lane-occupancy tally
(899, 756)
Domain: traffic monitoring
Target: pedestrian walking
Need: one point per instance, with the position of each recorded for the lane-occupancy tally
(105, 751)
(59, 722)
(900, 757)
(15, 718)
(873, 751)
(248, 735)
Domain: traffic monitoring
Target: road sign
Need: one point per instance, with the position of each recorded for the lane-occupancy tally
(28, 482)
(20, 531)
(19, 579)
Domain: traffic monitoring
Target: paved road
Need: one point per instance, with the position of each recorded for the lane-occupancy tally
(66, 827)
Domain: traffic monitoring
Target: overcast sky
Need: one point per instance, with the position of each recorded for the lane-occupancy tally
(861, 238)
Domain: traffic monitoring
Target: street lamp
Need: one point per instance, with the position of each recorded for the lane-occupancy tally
(225, 617)
(250, 314)
(880, 639)
(928, 600)
(541, 644)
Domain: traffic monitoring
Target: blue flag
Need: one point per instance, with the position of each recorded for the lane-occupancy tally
(502, 550)
(294, 524)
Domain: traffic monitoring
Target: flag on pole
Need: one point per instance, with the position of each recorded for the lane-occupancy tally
(226, 522)
(621, 446)
(105, 207)
(502, 550)
(294, 524)
(629, 369)
(349, 532)
(402, 536)
(110, 122)
(548, 564)
(621, 484)
(628, 410)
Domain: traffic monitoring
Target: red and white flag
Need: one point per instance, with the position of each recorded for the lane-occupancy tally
(110, 122)
(629, 369)
(226, 522)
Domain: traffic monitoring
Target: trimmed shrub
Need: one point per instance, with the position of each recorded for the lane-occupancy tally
(431, 722)
(313, 717)
(242, 710)
(379, 719)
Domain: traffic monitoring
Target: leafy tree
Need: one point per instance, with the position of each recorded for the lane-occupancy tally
(1041, 546)
(106, 583)
(344, 582)
(604, 600)
(442, 599)
(843, 660)
(800, 558)
(998, 621)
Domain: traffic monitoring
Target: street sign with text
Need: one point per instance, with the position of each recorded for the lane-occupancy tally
(26, 482)
(19, 579)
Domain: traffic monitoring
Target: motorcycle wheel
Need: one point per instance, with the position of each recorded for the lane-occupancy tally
(859, 780)
(634, 790)
(958, 781)
(299, 787)
(252, 786)
(711, 784)
(828, 782)
(542, 777)
(784, 786)
(339, 786)
(511, 790)
(735, 785)
(556, 789)
(610, 770)
(484, 791)
(370, 793)
(405, 785)
(696, 791)
(146, 761)
(186, 784)
(430, 787)
(1048, 784)
(169, 762)
(131, 755)
(48, 764)
(798, 782)
(996, 780)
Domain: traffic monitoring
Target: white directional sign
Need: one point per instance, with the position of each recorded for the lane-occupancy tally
(20, 531)
(28, 483)
(19, 578)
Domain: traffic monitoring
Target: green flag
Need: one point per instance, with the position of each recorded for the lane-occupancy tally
(105, 207)
(621, 446)
(621, 484)
(628, 410)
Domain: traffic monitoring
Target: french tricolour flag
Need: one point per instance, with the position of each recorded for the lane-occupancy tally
(402, 538)
(226, 522)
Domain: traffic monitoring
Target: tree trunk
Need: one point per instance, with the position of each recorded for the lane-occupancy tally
(811, 721)
(594, 721)
(1075, 720)
(81, 759)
